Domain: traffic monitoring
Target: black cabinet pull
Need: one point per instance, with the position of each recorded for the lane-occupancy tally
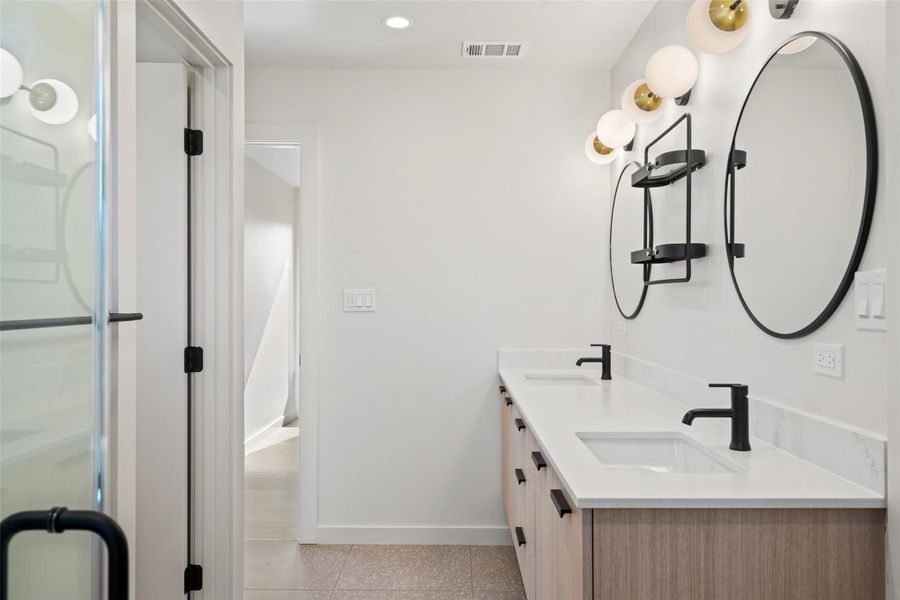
(538, 459)
(520, 424)
(502, 389)
(560, 502)
(520, 476)
(520, 536)
(508, 401)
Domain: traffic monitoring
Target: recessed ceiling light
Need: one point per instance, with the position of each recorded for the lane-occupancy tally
(397, 22)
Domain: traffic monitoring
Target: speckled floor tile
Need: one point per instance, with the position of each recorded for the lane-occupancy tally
(287, 594)
(499, 595)
(289, 565)
(399, 595)
(495, 568)
(420, 568)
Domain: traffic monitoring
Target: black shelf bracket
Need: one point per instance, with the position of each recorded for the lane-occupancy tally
(665, 170)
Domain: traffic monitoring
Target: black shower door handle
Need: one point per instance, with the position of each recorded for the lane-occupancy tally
(58, 520)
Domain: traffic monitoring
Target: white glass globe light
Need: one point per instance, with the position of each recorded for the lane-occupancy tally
(615, 129)
(640, 104)
(11, 74)
(58, 106)
(597, 152)
(672, 71)
(706, 36)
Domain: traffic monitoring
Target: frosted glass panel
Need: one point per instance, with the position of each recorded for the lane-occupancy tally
(49, 217)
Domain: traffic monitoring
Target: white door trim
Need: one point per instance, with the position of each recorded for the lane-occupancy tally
(218, 288)
(307, 135)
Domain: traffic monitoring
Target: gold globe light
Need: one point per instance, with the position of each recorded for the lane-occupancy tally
(640, 104)
(645, 99)
(718, 26)
(728, 16)
(597, 152)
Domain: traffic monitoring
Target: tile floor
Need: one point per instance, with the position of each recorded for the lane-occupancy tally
(277, 568)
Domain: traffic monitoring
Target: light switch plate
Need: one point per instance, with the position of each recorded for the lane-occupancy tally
(870, 301)
(828, 359)
(359, 300)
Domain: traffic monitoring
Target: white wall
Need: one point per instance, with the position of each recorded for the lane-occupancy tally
(465, 199)
(700, 328)
(269, 366)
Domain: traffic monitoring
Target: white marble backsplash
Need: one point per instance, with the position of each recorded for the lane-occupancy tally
(852, 453)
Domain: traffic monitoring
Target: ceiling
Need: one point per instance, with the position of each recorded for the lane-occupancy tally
(281, 159)
(349, 34)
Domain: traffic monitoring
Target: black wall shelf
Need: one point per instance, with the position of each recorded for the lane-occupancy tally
(666, 169)
(667, 253)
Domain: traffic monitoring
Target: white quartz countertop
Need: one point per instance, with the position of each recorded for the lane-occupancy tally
(768, 478)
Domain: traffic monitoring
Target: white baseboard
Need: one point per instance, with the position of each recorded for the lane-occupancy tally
(468, 536)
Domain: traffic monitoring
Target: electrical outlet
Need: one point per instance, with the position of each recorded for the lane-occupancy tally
(828, 359)
(623, 328)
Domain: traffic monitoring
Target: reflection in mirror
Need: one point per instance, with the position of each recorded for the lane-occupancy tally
(804, 197)
(626, 234)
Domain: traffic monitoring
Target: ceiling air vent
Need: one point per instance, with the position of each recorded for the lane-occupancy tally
(493, 49)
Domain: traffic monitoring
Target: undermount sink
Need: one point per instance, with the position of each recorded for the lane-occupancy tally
(660, 452)
(559, 380)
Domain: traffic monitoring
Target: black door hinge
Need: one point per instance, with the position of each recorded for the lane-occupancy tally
(193, 142)
(193, 359)
(193, 578)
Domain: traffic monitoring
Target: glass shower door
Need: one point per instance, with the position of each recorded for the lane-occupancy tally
(52, 281)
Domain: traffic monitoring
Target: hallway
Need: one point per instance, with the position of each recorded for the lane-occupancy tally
(277, 568)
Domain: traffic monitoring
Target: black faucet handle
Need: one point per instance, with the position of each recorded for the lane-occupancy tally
(738, 390)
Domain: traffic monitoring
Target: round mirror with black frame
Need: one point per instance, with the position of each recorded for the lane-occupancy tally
(630, 206)
(800, 185)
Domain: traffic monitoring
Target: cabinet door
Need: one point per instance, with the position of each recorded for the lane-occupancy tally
(525, 444)
(562, 544)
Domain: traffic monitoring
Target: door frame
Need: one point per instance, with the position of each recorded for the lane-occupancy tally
(308, 302)
(218, 287)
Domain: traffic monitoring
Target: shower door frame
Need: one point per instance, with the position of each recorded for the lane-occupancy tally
(217, 287)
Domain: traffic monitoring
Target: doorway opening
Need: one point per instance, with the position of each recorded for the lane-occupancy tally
(272, 187)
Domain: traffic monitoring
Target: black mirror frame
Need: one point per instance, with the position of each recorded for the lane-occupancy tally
(868, 111)
(647, 244)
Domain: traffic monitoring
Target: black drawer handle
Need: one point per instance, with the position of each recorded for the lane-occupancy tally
(502, 389)
(538, 459)
(520, 476)
(520, 424)
(508, 401)
(520, 536)
(560, 502)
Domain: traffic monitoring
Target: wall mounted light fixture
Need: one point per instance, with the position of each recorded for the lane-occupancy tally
(672, 72)
(640, 104)
(718, 26)
(50, 100)
(782, 9)
(597, 152)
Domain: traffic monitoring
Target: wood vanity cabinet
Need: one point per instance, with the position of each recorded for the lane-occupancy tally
(681, 554)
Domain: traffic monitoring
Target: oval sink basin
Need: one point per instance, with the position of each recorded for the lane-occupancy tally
(655, 452)
(559, 380)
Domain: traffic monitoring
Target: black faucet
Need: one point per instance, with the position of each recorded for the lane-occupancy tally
(739, 415)
(605, 358)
